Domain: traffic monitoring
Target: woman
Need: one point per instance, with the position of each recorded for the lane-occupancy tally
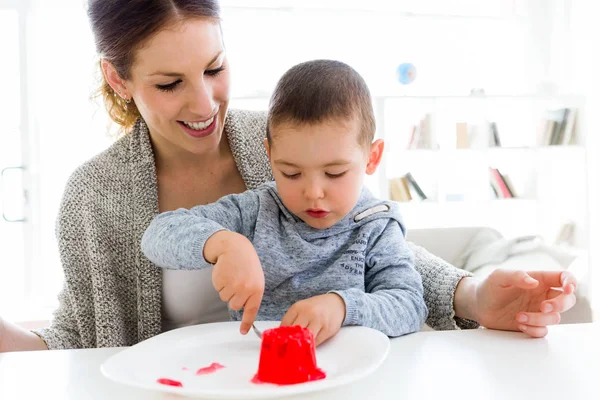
(166, 82)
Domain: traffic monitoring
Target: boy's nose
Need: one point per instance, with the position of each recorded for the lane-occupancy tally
(314, 191)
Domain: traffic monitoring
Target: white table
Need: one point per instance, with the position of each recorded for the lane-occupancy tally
(476, 364)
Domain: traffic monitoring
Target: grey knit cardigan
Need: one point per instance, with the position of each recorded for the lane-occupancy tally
(112, 293)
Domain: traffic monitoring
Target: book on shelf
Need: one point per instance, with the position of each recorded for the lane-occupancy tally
(398, 190)
(462, 136)
(405, 188)
(558, 127)
(495, 137)
(477, 136)
(501, 185)
(566, 234)
(414, 186)
(421, 135)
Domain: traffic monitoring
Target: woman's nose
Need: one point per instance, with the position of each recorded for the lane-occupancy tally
(201, 102)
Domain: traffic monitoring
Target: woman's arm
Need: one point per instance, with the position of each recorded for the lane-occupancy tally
(63, 332)
(15, 338)
(73, 241)
(440, 282)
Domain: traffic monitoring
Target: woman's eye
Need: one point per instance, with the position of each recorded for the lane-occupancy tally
(213, 72)
(169, 87)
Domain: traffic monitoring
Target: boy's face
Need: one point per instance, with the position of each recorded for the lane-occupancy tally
(319, 169)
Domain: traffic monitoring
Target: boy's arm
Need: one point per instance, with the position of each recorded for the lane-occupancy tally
(176, 239)
(393, 299)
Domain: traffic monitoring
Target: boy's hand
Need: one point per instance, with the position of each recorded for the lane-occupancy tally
(323, 315)
(237, 274)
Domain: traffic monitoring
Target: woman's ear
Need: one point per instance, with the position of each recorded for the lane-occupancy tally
(114, 80)
(375, 154)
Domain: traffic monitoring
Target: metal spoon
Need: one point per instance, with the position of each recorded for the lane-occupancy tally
(257, 331)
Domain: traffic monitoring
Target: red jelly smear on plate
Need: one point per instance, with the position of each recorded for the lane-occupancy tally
(169, 382)
(287, 357)
(210, 369)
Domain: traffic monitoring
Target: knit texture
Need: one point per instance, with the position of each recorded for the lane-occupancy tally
(112, 292)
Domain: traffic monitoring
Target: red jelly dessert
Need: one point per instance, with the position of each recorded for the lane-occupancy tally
(287, 357)
(169, 382)
(214, 367)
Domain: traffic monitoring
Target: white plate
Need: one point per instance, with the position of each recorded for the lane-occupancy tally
(352, 354)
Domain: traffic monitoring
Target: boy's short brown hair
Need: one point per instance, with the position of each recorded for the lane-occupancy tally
(320, 90)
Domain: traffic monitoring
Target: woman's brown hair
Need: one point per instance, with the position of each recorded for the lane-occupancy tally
(121, 26)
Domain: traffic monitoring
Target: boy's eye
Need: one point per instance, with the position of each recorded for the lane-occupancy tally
(290, 176)
(335, 175)
(169, 87)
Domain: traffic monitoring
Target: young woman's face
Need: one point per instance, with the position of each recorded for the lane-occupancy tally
(180, 84)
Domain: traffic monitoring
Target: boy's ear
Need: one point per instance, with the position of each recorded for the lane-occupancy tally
(266, 142)
(375, 154)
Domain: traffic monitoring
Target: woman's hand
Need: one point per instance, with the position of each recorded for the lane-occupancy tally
(237, 275)
(517, 300)
(323, 315)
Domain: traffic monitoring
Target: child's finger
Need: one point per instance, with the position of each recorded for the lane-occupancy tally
(289, 317)
(301, 319)
(323, 336)
(237, 302)
(315, 327)
(226, 294)
(251, 308)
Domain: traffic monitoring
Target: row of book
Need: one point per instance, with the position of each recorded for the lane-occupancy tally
(557, 127)
(405, 188)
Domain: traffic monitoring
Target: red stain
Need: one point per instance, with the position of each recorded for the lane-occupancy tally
(214, 367)
(169, 382)
(185, 369)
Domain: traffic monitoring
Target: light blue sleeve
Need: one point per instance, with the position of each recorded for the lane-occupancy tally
(176, 239)
(393, 298)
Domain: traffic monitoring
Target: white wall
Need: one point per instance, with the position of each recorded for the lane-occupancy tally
(585, 78)
(67, 127)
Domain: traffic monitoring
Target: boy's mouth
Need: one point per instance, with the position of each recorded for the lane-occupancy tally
(317, 213)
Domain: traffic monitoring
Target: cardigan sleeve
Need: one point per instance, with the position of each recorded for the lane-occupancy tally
(75, 299)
